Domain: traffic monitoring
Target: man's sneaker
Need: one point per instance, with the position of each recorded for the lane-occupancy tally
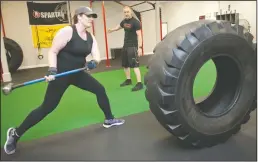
(112, 122)
(11, 141)
(138, 86)
(126, 82)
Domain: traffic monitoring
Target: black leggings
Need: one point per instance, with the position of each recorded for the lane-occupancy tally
(54, 93)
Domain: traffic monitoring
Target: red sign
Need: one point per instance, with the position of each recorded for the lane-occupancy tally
(202, 17)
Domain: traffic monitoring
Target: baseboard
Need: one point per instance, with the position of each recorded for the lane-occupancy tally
(148, 53)
(32, 66)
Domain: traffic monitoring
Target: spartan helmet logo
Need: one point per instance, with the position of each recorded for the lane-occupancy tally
(36, 14)
(62, 8)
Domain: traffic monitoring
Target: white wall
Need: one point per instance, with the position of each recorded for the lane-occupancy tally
(177, 13)
(21, 32)
(164, 29)
(149, 31)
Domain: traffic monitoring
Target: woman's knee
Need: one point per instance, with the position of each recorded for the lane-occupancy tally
(47, 108)
(101, 90)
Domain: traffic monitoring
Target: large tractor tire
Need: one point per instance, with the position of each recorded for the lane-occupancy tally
(14, 54)
(172, 70)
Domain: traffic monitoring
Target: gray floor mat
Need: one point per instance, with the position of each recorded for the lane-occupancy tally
(141, 138)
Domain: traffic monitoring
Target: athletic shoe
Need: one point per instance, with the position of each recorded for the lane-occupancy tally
(126, 82)
(11, 141)
(138, 86)
(112, 122)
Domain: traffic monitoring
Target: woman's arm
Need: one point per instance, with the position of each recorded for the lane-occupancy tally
(60, 40)
(95, 49)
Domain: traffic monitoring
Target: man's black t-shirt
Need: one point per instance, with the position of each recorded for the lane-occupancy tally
(130, 27)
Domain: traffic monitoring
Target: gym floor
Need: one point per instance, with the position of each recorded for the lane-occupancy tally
(140, 138)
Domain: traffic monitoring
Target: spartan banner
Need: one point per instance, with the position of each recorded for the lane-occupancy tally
(47, 13)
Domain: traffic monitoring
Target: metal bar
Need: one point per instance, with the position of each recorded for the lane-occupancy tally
(105, 32)
(153, 4)
(147, 10)
(70, 15)
(160, 23)
(93, 29)
(2, 22)
(137, 4)
(150, 3)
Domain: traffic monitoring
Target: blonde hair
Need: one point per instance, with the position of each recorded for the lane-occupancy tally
(132, 12)
(128, 8)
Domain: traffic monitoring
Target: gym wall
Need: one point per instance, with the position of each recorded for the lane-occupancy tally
(177, 13)
(21, 32)
(149, 31)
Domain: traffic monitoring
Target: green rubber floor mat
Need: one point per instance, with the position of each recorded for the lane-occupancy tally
(77, 108)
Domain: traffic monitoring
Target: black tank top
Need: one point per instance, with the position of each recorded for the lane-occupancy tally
(73, 55)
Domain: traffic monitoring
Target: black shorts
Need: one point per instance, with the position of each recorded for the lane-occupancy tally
(130, 57)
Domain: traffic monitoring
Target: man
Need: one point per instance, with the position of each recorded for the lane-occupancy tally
(132, 47)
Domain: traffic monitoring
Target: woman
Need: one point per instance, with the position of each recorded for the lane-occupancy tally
(70, 47)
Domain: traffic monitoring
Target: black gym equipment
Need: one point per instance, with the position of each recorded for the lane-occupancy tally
(172, 70)
(14, 54)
